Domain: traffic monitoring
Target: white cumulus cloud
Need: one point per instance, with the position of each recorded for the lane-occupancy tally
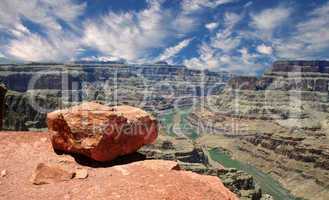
(211, 26)
(197, 5)
(208, 58)
(310, 40)
(264, 49)
(269, 19)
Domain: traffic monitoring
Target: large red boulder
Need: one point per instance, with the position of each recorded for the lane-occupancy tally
(100, 132)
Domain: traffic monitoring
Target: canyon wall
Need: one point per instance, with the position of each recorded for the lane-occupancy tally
(278, 122)
(39, 88)
(3, 91)
(289, 89)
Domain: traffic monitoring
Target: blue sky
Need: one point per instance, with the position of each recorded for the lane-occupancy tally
(241, 36)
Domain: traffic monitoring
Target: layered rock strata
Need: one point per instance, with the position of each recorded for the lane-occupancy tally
(3, 91)
(151, 87)
(277, 122)
(289, 89)
(28, 111)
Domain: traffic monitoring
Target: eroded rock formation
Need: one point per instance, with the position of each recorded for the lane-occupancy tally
(289, 89)
(28, 111)
(152, 87)
(278, 122)
(100, 132)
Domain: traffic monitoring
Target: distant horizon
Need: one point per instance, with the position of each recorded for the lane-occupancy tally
(142, 63)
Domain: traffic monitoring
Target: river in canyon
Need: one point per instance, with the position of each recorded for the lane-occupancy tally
(175, 123)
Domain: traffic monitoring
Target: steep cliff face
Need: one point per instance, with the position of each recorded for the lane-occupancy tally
(3, 91)
(316, 66)
(74, 76)
(278, 122)
(151, 87)
(289, 89)
(28, 111)
(288, 75)
(294, 148)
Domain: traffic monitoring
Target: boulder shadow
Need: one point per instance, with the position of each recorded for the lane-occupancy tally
(86, 161)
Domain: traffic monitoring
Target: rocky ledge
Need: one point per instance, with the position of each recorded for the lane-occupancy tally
(98, 147)
(30, 169)
(196, 158)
